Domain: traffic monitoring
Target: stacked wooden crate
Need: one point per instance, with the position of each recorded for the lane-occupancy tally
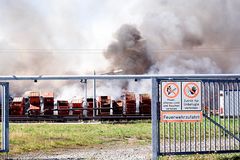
(104, 104)
(63, 107)
(117, 107)
(34, 101)
(48, 103)
(90, 107)
(17, 106)
(130, 103)
(145, 104)
(77, 107)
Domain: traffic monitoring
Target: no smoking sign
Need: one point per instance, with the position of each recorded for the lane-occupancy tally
(171, 90)
(171, 96)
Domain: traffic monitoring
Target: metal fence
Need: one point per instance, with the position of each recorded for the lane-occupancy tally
(217, 132)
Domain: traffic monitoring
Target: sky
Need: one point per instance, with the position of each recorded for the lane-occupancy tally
(139, 36)
(87, 27)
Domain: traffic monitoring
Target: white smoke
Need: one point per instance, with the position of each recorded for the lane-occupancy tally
(202, 31)
(62, 37)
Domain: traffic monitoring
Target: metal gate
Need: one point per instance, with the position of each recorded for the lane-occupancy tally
(217, 132)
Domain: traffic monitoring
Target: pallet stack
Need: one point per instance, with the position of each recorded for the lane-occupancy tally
(34, 101)
(63, 108)
(145, 104)
(90, 107)
(17, 106)
(104, 104)
(77, 107)
(130, 103)
(48, 103)
(117, 107)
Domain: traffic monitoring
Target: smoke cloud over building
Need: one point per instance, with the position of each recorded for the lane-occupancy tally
(129, 51)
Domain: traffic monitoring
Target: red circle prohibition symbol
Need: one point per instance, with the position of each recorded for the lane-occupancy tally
(174, 92)
(188, 89)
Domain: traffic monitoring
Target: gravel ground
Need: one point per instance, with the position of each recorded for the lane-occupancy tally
(112, 152)
(128, 151)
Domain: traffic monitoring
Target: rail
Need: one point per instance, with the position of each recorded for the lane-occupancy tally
(162, 77)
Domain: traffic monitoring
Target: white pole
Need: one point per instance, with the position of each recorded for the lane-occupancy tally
(94, 95)
(85, 98)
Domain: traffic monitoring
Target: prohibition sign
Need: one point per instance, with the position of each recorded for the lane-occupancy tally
(191, 90)
(171, 90)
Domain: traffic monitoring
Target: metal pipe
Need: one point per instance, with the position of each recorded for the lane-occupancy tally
(169, 137)
(2, 114)
(185, 138)
(190, 143)
(155, 120)
(229, 112)
(174, 136)
(200, 140)
(85, 109)
(94, 95)
(224, 114)
(164, 138)
(195, 142)
(234, 112)
(5, 117)
(209, 113)
(205, 112)
(238, 112)
(180, 146)
(214, 114)
(219, 117)
(163, 77)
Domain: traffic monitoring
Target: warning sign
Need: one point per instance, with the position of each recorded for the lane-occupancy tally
(191, 97)
(171, 96)
(181, 101)
(171, 90)
(181, 116)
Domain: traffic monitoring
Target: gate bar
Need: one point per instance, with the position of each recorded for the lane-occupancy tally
(225, 130)
(162, 77)
(5, 115)
(155, 120)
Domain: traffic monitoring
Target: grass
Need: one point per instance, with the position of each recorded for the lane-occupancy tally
(45, 137)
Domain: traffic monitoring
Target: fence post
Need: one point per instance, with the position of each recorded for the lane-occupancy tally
(155, 120)
(5, 115)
